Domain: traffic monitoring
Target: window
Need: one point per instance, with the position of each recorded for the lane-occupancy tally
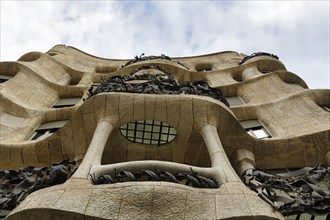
(52, 54)
(234, 101)
(47, 129)
(74, 81)
(148, 132)
(265, 71)
(106, 69)
(204, 67)
(4, 78)
(326, 107)
(255, 129)
(65, 102)
(238, 77)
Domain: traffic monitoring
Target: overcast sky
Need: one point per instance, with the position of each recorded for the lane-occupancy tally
(296, 31)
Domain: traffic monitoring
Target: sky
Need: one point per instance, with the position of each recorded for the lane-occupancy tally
(296, 31)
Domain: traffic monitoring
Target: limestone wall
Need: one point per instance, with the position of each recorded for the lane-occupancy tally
(209, 133)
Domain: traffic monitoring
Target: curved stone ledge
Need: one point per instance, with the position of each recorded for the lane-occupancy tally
(147, 200)
(208, 133)
(196, 113)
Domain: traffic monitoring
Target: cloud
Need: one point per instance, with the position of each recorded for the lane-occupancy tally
(297, 31)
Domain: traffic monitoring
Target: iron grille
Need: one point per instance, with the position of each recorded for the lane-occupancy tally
(148, 132)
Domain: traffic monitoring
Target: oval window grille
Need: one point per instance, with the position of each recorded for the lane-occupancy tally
(148, 132)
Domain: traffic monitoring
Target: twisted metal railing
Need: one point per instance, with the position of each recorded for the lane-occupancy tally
(142, 57)
(162, 83)
(15, 185)
(192, 179)
(246, 58)
(302, 191)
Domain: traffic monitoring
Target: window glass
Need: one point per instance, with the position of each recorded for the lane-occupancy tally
(326, 107)
(42, 134)
(4, 78)
(250, 124)
(46, 129)
(255, 129)
(234, 101)
(261, 133)
(65, 102)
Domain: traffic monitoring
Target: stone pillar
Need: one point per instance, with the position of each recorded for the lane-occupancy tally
(246, 203)
(217, 154)
(243, 160)
(94, 153)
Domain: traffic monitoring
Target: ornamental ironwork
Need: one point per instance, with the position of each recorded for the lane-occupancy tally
(246, 58)
(292, 193)
(142, 57)
(162, 83)
(15, 185)
(192, 179)
(148, 132)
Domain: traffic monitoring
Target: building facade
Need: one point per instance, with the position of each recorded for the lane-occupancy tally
(161, 138)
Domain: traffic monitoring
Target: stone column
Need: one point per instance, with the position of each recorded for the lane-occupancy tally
(243, 160)
(94, 152)
(217, 154)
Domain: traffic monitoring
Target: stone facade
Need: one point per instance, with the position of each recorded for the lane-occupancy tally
(211, 138)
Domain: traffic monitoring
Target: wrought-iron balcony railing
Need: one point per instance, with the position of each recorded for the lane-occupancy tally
(246, 58)
(142, 57)
(162, 83)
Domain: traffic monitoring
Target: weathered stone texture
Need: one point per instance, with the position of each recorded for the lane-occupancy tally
(210, 137)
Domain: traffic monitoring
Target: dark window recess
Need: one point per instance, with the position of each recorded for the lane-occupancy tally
(4, 78)
(106, 69)
(66, 102)
(203, 67)
(234, 101)
(47, 129)
(255, 129)
(42, 134)
(238, 78)
(265, 71)
(206, 69)
(326, 107)
(148, 132)
(74, 82)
